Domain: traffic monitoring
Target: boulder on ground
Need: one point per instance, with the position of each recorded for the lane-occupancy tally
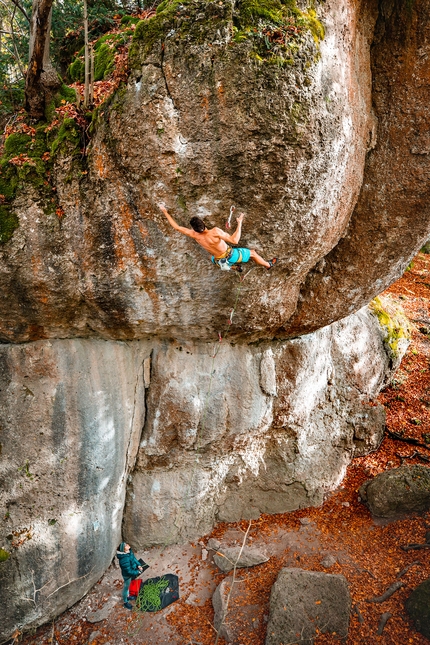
(398, 491)
(302, 602)
(226, 618)
(219, 602)
(226, 557)
(418, 607)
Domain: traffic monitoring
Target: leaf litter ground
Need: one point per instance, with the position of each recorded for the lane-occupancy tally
(368, 554)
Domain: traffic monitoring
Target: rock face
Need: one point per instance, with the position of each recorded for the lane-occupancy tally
(302, 602)
(398, 491)
(418, 607)
(272, 422)
(391, 218)
(71, 417)
(201, 125)
(259, 429)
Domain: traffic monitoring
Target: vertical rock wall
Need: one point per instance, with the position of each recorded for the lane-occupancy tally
(71, 414)
(265, 428)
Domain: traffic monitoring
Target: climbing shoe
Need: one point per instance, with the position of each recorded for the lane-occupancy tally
(127, 605)
(272, 263)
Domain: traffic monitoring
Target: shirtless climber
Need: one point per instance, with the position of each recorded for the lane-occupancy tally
(215, 241)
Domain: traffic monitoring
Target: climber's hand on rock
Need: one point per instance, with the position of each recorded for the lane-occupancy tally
(239, 219)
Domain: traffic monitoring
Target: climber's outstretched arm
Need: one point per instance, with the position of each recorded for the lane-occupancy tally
(235, 237)
(175, 225)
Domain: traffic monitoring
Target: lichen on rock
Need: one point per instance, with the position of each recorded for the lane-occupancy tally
(394, 325)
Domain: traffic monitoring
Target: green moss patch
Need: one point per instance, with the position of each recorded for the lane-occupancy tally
(27, 159)
(68, 133)
(4, 555)
(277, 29)
(105, 49)
(392, 321)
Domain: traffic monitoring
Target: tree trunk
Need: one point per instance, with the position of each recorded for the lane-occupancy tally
(42, 79)
(87, 60)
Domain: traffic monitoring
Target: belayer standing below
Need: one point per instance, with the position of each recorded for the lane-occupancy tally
(216, 242)
(130, 569)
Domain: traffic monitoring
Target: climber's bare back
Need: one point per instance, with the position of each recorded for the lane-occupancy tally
(212, 240)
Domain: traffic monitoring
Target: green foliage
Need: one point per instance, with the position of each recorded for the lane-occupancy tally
(149, 595)
(4, 555)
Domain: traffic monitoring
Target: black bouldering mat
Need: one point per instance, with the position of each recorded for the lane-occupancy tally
(158, 593)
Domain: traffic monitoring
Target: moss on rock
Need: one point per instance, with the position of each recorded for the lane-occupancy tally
(8, 223)
(27, 159)
(68, 133)
(394, 324)
(105, 49)
(276, 29)
(4, 555)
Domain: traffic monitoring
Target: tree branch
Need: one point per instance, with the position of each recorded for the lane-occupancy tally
(19, 6)
(388, 593)
(18, 60)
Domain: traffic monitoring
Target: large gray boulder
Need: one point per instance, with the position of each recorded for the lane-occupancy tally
(302, 602)
(398, 491)
(418, 607)
(204, 122)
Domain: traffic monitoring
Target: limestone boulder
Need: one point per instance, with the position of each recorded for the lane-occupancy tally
(302, 602)
(390, 222)
(71, 414)
(398, 491)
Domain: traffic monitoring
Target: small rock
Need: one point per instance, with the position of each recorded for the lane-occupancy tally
(398, 491)
(328, 561)
(226, 557)
(305, 521)
(92, 637)
(204, 555)
(213, 544)
(219, 602)
(103, 613)
(346, 504)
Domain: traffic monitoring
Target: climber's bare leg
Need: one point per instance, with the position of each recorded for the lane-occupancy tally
(258, 259)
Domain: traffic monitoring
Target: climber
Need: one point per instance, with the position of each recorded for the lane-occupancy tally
(215, 241)
(130, 569)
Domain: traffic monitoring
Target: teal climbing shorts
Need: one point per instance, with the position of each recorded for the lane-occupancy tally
(236, 256)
